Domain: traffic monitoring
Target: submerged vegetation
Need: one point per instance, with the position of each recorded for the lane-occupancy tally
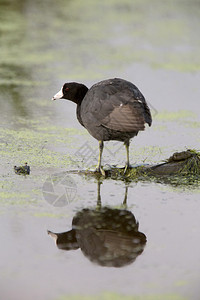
(182, 168)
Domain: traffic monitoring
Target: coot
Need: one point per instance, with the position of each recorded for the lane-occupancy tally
(112, 109)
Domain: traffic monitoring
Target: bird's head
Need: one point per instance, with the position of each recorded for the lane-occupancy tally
(71, 91)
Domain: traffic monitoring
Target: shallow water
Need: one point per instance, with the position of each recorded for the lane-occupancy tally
(45, 44)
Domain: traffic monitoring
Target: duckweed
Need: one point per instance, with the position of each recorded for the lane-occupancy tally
(114, 296)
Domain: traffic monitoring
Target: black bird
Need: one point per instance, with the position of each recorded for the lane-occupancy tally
(112, 109)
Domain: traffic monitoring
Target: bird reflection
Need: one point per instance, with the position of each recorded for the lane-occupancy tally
(107, 236)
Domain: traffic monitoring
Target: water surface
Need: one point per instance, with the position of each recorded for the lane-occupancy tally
(44, 44)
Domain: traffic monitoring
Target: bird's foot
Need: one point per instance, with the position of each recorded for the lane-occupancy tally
(127, 166)
(101, 171)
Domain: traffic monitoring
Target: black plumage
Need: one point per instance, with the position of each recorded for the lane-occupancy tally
(113, 109)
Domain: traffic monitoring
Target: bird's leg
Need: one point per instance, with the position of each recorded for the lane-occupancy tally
(99, 168)
(127, 143)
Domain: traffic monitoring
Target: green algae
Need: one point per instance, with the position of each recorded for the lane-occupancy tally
(180, 115)
(16, 198)
(186, 175)
(181, 283)
(121, 34)
(43, 147)
(30, 145)
(49, 215)
(192, 124)
(183, 174)
(133, 174)
(114, 296)
(192, 166)
(37, 43)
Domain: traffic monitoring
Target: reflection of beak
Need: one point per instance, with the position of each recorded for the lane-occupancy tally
(53, 235)
(59, 95)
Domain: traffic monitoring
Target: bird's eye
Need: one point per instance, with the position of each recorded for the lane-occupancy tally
(67, 89)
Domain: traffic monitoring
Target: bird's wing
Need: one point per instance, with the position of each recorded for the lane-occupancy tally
(119, 106)
(126, 118)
